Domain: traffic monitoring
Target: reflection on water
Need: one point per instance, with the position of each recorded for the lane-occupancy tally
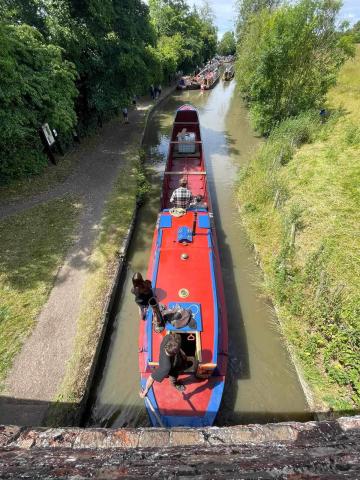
(261, 382)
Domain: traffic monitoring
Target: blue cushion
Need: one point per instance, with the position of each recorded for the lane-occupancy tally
(204, 221)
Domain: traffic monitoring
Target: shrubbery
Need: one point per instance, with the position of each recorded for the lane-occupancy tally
(37, 86)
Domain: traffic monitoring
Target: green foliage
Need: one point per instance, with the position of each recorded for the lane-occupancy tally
(187, 38)
(353, 135)
(288, 59)
(110, 42)
(248, 8)
(314, 282)
(227, 45)
(36, 86)
(142, 184)
(355, 32)
(104, 50)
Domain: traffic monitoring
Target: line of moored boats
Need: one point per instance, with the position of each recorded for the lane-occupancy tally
(207, 78)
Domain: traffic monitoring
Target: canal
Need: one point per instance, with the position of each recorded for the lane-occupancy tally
(262, 385)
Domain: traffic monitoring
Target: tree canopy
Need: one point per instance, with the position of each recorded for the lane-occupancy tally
(36, 86)
(227, 45)
(190, 34)
(75, 62)
(288, 58)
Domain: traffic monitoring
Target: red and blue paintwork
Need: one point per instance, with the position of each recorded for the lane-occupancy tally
(200, 274)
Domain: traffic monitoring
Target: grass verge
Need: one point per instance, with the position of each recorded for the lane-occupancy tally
(299, 200)
(33, 246)
(26, 187)
(130, 187)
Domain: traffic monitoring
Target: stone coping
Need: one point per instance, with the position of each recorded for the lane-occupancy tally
(130, 438)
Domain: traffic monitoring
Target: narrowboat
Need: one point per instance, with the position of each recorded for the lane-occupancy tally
(185, 272)
(188, 83)
(229, 73)
(210, 79)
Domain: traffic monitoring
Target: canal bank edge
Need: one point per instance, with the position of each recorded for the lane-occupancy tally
(76, 419)
(290, 349)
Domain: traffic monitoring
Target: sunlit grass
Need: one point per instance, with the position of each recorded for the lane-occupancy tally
(33, 245)
(316, 282)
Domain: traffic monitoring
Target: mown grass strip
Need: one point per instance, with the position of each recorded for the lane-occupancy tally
(309, 239)
(33, 246)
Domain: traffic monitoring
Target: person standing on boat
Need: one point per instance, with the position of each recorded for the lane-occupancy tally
(172, 362)
(181, 197)
(143, 291)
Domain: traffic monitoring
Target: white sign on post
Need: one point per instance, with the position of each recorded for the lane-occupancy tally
(48, 134)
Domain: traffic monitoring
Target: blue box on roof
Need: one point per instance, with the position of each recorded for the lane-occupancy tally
(165, 221)
(204, 221)
(184, 234)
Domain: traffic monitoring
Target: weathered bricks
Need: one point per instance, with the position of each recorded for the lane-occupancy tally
(102, 438)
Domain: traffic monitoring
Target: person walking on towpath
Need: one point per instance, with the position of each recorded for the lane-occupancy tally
(125, 115)
(152, 92)
(172, 362)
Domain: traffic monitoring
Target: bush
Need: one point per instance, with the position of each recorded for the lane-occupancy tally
(36, 87)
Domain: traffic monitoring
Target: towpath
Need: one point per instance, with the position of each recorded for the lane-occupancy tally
(39, 368)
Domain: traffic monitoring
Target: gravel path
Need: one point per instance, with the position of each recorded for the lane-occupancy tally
(40, 366)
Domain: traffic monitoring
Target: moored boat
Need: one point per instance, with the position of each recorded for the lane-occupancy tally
(210, 79)
(229, 73)
(181, 84)
(188, 83)
(185, 272)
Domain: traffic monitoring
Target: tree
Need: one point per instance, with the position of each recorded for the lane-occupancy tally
(227, 45)
(248, 8)
(355, 31)
(289, 58)
(194, 31)
(36, 86)
(108, 42)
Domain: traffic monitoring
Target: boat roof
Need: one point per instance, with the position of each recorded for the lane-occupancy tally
(186, 106)
(171, 274)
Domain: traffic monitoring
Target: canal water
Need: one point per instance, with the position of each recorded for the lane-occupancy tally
(262, 385)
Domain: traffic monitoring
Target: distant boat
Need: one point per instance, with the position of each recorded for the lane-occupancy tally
(188, 83)
(210, 79)
(229, 73)
(185, 272)
(181, 84)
